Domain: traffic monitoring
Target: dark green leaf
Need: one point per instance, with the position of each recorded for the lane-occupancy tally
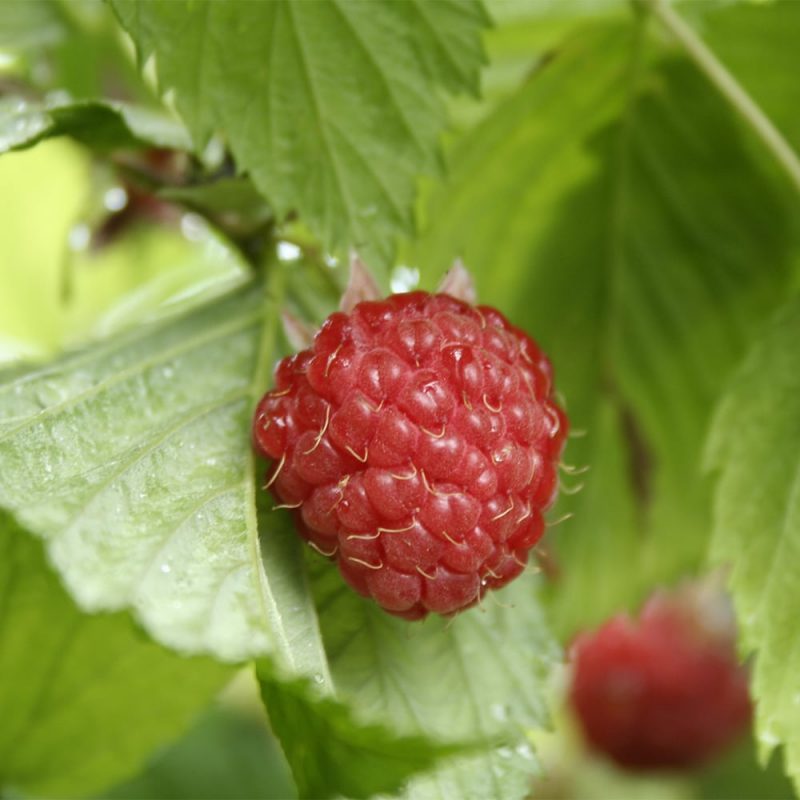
(236, 195)
(83, 699)
(332, 107)
(226, 756)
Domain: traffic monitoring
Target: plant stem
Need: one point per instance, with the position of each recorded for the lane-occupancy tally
(730, 88)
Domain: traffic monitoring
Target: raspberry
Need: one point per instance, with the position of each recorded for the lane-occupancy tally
(417, 443)
(666, 692)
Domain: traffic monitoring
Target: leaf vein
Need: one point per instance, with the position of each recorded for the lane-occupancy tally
(141, 453)
(186, 346)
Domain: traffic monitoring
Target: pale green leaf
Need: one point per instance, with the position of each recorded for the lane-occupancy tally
(133, 461)
(84, 699)
(755, 443)
(332, 107)
(612, 208)
(479, 676)
(505, 772)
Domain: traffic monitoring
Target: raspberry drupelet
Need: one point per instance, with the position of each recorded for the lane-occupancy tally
(417, 442)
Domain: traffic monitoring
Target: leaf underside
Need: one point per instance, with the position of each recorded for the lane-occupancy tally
(132, 460)
(479, 677)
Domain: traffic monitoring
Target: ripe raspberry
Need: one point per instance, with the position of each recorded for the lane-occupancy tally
(666, 692)
(417, 442)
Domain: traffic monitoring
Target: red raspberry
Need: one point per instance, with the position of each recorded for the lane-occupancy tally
(417, 442)
(666, 691)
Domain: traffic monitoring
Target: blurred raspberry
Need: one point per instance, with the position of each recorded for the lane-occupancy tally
(665, 691)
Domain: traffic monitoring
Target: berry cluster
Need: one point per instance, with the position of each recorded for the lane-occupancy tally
(417, 442)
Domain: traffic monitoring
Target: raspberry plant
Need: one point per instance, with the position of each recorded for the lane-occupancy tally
(621, 179)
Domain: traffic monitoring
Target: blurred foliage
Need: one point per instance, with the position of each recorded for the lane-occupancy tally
(227, 755)
(63, 283)
(741, 774)
(71, 46)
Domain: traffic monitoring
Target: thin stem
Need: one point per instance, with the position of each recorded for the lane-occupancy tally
(730, 88)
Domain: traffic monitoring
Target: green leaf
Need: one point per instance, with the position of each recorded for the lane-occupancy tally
(756, 42)
(100, 125)
(226, 756)
(83, 699)
(479, 676)
(333, 107)
(331, 753)
(755, 443)
(502, 772)
(133, 461)
(585, 208)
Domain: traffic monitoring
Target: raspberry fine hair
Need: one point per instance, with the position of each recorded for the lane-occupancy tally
(416, 442)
